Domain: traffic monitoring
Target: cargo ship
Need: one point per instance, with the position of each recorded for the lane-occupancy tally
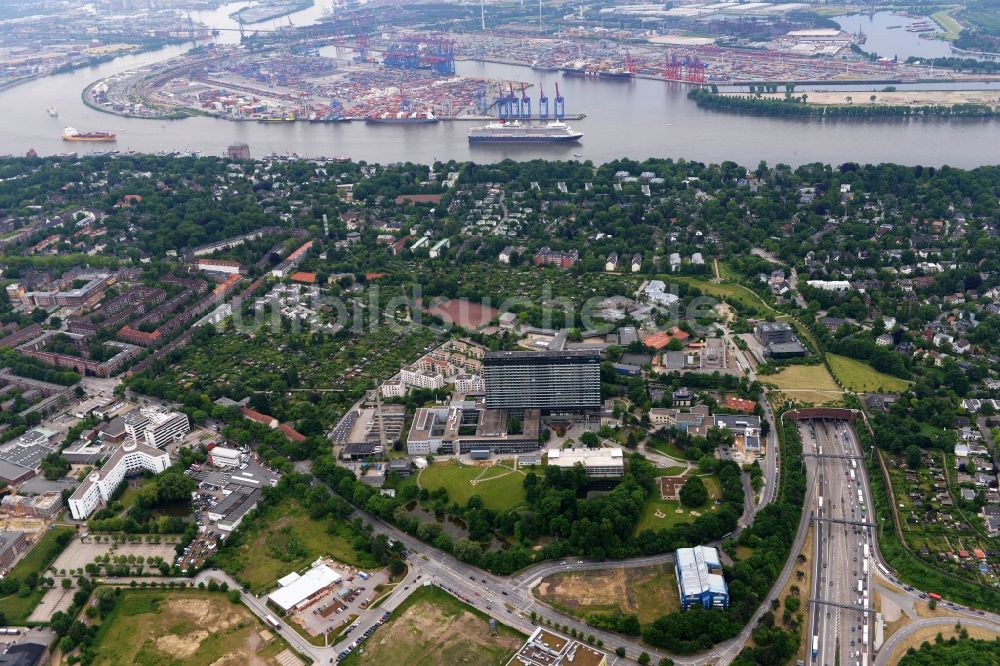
(541, 67)
(328, 119)
(515, 132)
(586, 70)
(403, 118)
(72, 134)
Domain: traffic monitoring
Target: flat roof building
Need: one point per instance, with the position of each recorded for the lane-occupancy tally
(100, 486)
(22, 458)
(599, 463)
(155, 428)
(699, 578)
(466, 426)
(564, 381)
(222, 456)
(545, 648)
(295, 590)
(768, 333)
(12, 544)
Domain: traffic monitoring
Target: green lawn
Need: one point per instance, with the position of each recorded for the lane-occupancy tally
(130, 495)
(713, 486)
(950, 26)
(669, 471)
(42, 554)
(500, 488)
(859, 376)
(190, 628)
(746, 300)
(667, 448)
(649, 521)
(286, 539)
(805, 383)
(17, 609)
(431, 627)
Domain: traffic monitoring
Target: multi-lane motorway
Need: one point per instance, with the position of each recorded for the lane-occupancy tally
(841, 606)
(848, 563)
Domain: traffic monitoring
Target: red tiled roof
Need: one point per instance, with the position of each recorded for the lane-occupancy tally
(418, 198)
(739, 404)
(291, 433)
(257, 416)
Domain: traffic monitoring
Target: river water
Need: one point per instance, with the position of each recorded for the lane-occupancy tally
(888, 41)
(637, 119)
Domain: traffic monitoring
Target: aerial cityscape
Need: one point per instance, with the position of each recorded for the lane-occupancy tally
(502, 333)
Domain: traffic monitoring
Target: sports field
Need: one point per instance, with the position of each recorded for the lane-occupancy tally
(861, 377)
(500, 487)
(432, 627)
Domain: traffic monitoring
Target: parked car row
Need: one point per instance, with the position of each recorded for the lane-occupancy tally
(361, 639)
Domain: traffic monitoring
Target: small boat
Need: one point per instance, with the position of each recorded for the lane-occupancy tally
(576, 154)
(52, 112)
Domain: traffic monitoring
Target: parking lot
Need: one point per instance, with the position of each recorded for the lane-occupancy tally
(360, 639)
(56, 599)
(79, 553)
(353, 595)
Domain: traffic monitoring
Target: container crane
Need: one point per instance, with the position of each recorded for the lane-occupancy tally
(558, 104)
(514, 102)
(543, 103)
(525, 104)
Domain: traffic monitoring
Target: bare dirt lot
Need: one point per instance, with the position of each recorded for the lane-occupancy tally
(438, 629)
(647, 592)
(465, 313)
(188, 627)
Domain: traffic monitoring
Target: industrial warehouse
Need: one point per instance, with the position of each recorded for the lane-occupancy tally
(699, 578)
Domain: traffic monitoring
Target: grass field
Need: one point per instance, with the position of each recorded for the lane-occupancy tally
(950, 26)
(738, 295)
(667, 448)
(669, 509)
(263, 555)
(42, 554)
(805, 383)
(17, 609)
(432, 627)
(649, 520)
(669, 471)
(646, 592)
(858, 376)
(187, 628)
(500, 488)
